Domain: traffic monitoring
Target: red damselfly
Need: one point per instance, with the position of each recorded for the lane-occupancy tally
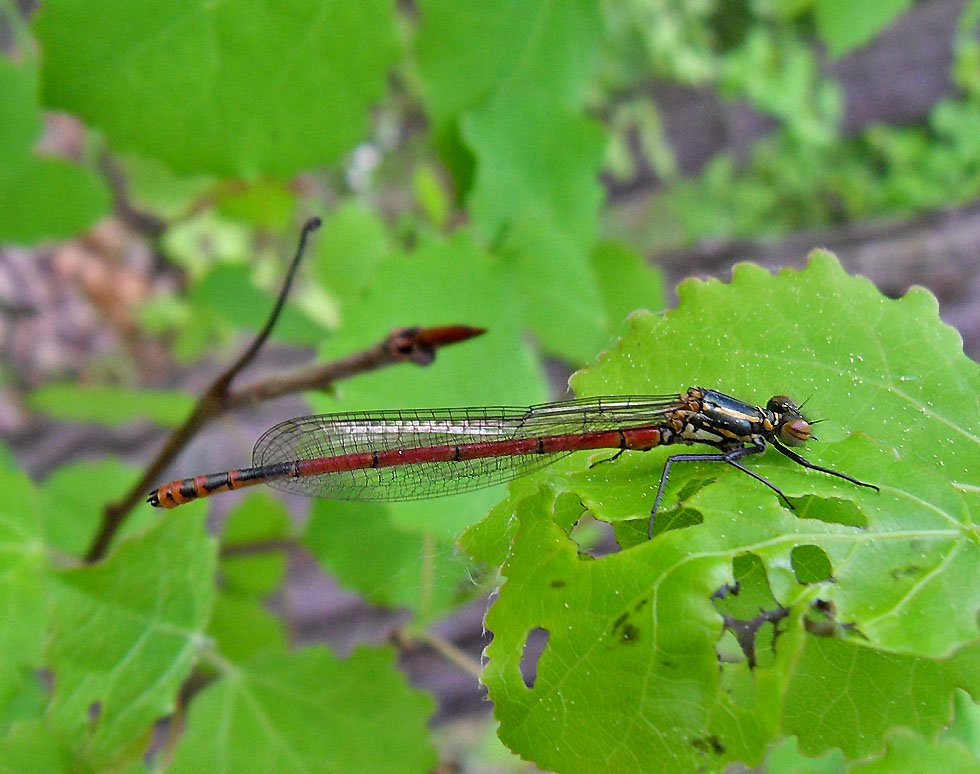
(416, 454)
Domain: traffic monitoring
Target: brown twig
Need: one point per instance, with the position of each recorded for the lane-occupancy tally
(411, 345)
(416, 345)
(258, 548)
(442, 646)
(139, 220)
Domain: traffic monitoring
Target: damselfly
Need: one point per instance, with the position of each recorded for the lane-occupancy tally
(416, 454)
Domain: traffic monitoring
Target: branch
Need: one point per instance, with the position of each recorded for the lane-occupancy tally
(442, 646)
(411, 345)
(416, 345)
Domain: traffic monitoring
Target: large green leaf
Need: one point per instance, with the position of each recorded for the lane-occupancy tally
(23, 590)
(125, 634)
(111, 406)
(537, 189)
(467, 51)
(42, 197)
(71, 514)
(309, 712)
(630, 678)
(237, 89)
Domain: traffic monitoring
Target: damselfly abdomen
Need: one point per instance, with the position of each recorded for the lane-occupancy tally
(415, 454)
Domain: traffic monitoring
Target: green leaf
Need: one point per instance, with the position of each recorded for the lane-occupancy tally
(885, 690)
(228, 292)
(43, 198)
(238, 90)
(125, 634)
(23, 588)
(242, 628)
(258, 519)
(388, 565)
(442, 282)
(536, 163)
(349, 248)
(608, 665)
(310, 712)
(75, 497)
(848, 24)
(111, 406)
(467, 51)
(626, 282)
(32, 746)
(537, 187)
(907, 752)
(635, 637)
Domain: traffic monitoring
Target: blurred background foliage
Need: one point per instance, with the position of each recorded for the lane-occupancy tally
(521, 166)
(211, 133)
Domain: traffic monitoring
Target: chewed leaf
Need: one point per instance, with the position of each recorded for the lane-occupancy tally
(645, 668)
(889, 369)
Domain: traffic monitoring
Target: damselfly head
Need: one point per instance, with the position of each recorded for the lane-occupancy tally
(792, 426)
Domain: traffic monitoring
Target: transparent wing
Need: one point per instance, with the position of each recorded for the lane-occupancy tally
(337, 435)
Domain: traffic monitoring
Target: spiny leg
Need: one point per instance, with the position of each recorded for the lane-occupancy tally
(730, 457)
(800, 460)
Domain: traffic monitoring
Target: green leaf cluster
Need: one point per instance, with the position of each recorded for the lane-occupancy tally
(231, 122)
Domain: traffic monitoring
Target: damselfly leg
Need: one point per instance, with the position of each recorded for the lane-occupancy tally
(800, 460)
(732, 457)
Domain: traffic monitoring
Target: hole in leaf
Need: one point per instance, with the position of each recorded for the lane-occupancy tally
(751, 616)
(811, 564)
(534, 646)
(708, 745)
(594, 538)
(830, 510)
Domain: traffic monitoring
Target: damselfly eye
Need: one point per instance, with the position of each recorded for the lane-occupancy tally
(795, 432)
(783, 404)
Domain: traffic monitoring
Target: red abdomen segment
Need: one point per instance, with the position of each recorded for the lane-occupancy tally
(412, 473)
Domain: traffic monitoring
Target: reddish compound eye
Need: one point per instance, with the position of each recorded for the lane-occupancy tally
(795, 432)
